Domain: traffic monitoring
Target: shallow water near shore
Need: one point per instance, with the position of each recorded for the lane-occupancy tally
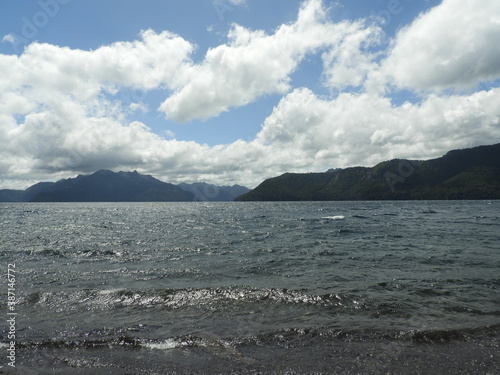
(249, 288)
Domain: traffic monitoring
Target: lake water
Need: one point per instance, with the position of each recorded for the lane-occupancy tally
(252, 288)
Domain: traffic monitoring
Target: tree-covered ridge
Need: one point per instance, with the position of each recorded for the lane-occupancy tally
(460, 174)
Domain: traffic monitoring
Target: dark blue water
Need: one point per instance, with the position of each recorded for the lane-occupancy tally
(297, 288)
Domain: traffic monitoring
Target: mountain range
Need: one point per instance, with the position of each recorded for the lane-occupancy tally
(108, 186)
(460, 174)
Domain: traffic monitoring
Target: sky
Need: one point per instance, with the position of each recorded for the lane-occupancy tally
(237, 91)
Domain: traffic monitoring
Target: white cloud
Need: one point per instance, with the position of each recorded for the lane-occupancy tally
(349, 62)
(55, 116)
(308, 133)
(147, 63)
(9, 38)
(251, 65)
(134, 107)
(452, 46)
(237, 2)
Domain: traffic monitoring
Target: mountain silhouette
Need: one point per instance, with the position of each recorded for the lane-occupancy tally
(101, 186)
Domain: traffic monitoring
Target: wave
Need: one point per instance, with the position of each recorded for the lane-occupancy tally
(360, 216)
(183, 298)
(83, 253)
(210, 343)
(227, 300)
(365, 335)
(282, 336)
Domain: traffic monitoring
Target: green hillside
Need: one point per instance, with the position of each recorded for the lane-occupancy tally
(460, 174)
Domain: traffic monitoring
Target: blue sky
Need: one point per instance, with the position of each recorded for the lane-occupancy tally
(235, 91)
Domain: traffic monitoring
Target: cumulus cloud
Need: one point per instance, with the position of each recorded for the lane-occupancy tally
(349, 62)
(54, 114)
(147, 63)
(306, 132)
(252, 64)
(452, 46)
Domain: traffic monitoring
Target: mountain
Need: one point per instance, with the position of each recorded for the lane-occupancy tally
(24, 195)
(204, 192)
(102, 186)
(107, 186)
(8, 195)
(460, 174)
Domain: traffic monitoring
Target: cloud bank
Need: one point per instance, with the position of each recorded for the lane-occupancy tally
(59, 115)
(450, 47)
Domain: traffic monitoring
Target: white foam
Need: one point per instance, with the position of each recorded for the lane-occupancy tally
(339, 217)
(109, 291)
(163, 345)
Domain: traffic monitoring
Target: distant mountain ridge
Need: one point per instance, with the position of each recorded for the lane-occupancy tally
(207, 192)
(460, 174)
(108, 186)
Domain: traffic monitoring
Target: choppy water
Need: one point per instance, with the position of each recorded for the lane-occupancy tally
(297, 288)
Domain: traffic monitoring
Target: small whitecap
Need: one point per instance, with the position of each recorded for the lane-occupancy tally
(338, 217)
(109, 291)
(162, 345)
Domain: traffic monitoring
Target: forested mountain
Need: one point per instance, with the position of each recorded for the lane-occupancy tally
(460, 174)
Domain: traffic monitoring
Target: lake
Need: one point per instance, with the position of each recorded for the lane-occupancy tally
(252, 287)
